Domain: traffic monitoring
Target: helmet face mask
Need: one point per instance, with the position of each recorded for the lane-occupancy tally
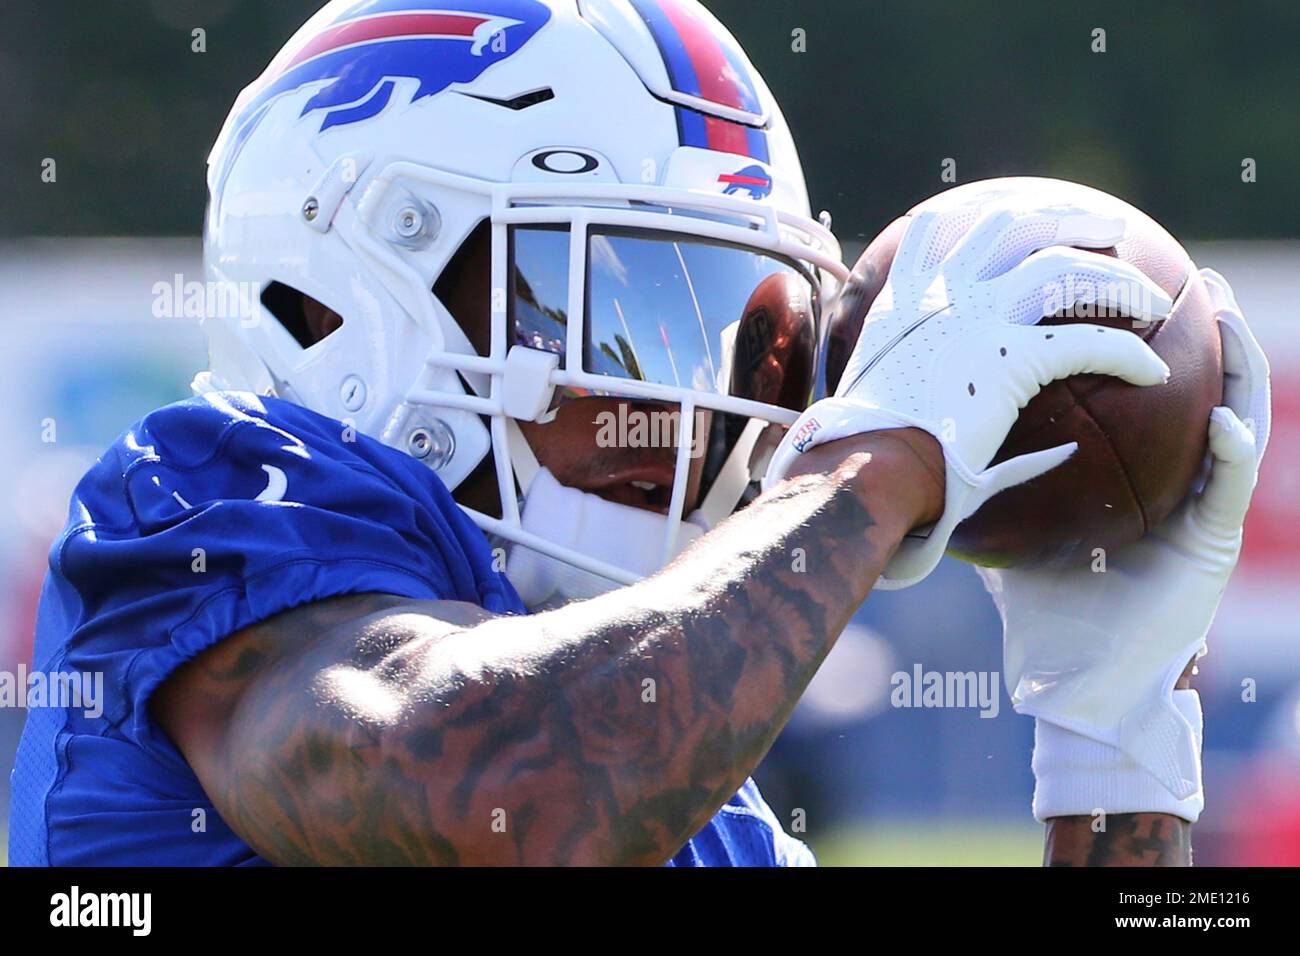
(600, 284)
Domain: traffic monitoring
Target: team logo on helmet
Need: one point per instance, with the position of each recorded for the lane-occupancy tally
(377, 42)
(752, 180)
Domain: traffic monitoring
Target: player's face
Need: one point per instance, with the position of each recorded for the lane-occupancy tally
(624, 450)
(579, 446)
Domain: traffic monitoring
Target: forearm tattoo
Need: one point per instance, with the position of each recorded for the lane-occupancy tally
(365, 730)
(1128, 839)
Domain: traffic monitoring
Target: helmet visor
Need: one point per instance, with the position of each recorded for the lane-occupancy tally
(671, 309)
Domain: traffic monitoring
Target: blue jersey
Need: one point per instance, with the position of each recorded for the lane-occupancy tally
(204, 518)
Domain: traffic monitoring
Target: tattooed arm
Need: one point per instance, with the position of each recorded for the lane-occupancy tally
(1130, 839)
(377, 730)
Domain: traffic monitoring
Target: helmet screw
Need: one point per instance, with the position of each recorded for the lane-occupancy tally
(311, 209)
(352, 393)
(410, 222)
(433, 444)
(420, 443)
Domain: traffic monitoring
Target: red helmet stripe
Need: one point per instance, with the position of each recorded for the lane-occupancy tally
(725, 136)
(717, 78)
(387, 27)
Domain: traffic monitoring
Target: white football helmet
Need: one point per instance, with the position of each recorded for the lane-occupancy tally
(629, 183)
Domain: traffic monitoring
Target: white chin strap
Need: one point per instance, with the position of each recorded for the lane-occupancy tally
(620, 535)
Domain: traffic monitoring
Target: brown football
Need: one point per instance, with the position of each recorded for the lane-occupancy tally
(1140, 449)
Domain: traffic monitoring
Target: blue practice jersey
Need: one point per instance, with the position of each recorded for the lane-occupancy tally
(204, 518)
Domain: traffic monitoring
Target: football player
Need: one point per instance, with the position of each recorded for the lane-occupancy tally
(500, 530)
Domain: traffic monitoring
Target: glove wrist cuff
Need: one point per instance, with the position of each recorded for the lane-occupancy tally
(827, 420)
(841, 417)
(1078, 776)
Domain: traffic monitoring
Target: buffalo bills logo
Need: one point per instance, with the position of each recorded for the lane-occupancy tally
(751, 180)
(362, 54)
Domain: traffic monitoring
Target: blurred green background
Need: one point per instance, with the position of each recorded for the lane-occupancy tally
(885, 91)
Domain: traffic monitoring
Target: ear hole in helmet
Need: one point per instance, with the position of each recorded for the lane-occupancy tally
(303, 317)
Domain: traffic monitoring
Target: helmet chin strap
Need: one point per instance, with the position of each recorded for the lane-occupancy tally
(522, 459)
(733, 478)
(621, 535)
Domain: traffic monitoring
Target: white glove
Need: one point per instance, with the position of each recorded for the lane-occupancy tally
(950, 346)
(1095, 656)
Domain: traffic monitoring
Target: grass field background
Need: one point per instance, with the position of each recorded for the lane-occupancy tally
(902, 843)
(938, 843)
